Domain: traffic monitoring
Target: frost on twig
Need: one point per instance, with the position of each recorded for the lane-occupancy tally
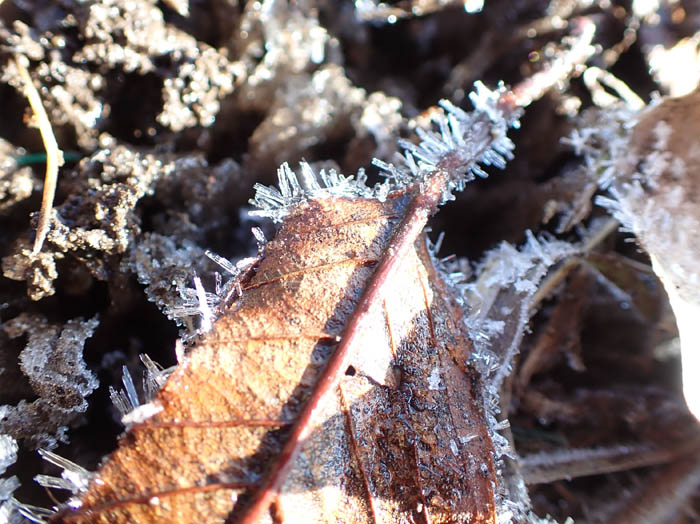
(562, 464)
(461, 142)
(53, 363)
(499, 300)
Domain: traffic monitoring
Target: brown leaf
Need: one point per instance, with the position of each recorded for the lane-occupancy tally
(387, 426)
(656, 190)
(400, 439)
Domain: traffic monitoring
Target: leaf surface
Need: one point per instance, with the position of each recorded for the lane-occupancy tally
(400, 437)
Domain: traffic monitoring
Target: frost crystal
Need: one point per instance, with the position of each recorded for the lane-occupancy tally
(8, 452)
(52, 361)
(141, 414)
(167, 267)
(154, 378)
(8, 456)
(204, 308)
(7, 488)
(73, 478)
(277, 203)
(31, 513)
(461, 142)
(127, 401)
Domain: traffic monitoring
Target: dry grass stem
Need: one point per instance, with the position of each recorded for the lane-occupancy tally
(54, 156)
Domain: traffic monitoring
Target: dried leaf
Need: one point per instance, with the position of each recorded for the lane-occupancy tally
(400, 440)
(387, 426)
(399, 437)
(655, 187)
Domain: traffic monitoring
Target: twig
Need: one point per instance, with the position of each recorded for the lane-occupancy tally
(545, 467)
(595, 78)
(561, 67)
(54, 156)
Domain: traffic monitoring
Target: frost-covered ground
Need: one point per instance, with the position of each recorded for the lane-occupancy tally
(169, 113)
